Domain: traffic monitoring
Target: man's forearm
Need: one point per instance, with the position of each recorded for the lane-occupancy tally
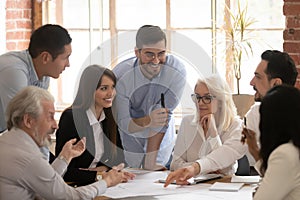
(154, 141)
(139, 124)
(153, 145)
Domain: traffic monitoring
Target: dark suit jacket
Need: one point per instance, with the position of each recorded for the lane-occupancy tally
(74, 123)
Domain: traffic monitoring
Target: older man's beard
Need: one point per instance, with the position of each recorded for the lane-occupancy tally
(43, 142)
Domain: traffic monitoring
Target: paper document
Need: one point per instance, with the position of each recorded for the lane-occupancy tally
(146, 187)
(230, 187)
(245, 179)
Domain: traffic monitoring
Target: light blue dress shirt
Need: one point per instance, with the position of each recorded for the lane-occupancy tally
(16, 72)
(137, 96)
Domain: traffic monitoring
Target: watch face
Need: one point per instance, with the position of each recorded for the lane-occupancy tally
(99, 177)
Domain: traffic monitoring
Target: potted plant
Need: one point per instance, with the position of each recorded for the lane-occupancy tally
(238, 45)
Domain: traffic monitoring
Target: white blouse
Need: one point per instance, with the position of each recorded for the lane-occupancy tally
(98, 135)
(212, 154)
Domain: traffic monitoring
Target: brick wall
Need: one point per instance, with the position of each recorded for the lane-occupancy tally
(291, 34)
(18, 24)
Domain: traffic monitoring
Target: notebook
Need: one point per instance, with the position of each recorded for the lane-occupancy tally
(245, 179)
(230, 187)
(206, 177)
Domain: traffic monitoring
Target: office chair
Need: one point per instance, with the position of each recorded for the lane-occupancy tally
(243, 167)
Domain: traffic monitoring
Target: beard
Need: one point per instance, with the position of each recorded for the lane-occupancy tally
(47, 142)
(151, 70)
(42, 142)
(257, 96)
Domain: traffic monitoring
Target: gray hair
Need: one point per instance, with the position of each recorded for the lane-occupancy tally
(226, 111)
(26, 101)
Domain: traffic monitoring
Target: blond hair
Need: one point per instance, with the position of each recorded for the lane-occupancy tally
(226, 111)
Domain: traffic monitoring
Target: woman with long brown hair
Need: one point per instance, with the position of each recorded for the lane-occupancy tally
(90, 116)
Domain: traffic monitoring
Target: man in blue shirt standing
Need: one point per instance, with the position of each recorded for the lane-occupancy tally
(146, 123)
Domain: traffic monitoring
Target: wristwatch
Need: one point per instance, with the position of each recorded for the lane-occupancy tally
(61, 157)
(99, 176)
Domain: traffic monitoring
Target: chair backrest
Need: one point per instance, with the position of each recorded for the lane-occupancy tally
(243, 102)
(243, 167)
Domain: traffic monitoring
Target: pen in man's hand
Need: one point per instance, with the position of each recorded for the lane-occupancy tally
(162, 100)
(245, 121)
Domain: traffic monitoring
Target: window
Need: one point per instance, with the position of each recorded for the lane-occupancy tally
(98, 25)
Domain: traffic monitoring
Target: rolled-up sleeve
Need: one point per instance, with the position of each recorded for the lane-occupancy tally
(41, 178)
(230, 151)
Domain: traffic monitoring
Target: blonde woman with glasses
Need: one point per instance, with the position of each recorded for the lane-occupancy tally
(209, 141)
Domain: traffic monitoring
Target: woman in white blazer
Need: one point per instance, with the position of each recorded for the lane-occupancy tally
(210, 137)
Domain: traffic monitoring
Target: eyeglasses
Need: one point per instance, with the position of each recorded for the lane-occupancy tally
(206, 99)
(151, 56)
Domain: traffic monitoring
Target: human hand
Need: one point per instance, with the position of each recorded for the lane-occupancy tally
(182, 175)
(158, 117)
(116, 175)
(208, 124)
(126, 175)
(249, 137)
(71, 150)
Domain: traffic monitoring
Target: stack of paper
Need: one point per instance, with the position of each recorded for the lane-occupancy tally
(230, 187)
(245, 179)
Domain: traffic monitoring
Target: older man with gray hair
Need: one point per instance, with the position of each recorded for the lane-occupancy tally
(24, 174)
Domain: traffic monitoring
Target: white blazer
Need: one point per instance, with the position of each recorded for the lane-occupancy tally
(219, 153)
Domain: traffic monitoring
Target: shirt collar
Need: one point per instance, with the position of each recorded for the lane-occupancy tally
(32, 69)
(33, 75)
(92, 118)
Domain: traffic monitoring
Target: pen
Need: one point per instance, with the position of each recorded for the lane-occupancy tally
(245, 121)
(162, 100)
(243, 139)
